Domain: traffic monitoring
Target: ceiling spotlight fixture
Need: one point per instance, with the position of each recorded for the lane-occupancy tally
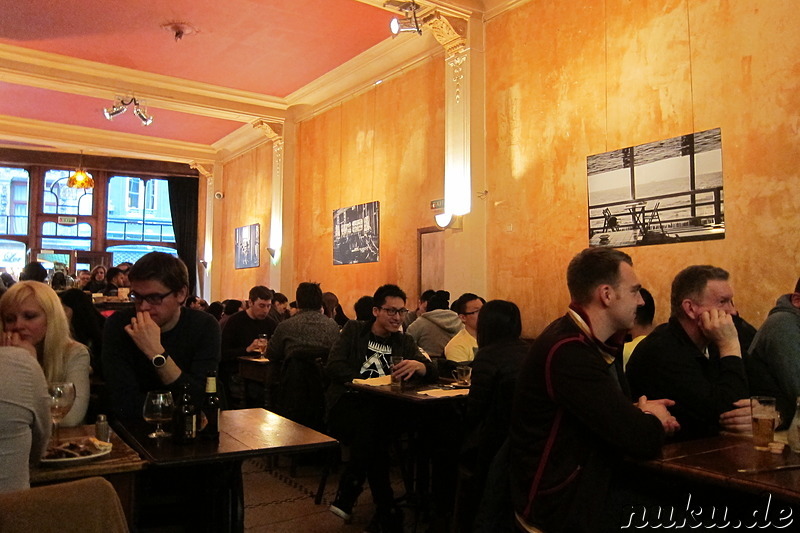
(80, 179)
(121, 105)
(409, 23)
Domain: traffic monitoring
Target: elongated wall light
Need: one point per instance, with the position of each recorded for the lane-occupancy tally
(121, 105)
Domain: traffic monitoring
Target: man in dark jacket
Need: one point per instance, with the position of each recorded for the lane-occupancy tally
(364, 350)
(572, 418)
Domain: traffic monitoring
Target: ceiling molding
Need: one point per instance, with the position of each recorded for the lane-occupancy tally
(75, 138)
(55, 72)
(238, 142)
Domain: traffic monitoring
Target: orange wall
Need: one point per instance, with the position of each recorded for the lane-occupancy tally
(563, 84)
(386, 144)
(247, 186)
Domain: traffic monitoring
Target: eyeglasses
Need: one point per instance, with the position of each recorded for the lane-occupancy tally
(391, 311)
(152, 299)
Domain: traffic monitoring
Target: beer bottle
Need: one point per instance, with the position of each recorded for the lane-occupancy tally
(210, 409)
(185, 420)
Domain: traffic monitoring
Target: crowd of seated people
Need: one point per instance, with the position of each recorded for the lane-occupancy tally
(545, 424)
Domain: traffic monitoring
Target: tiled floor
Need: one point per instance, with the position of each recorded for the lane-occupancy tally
(276, 502)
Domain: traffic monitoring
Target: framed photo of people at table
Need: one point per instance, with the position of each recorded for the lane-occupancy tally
(248, 243)
(356, 234)
(656, 193)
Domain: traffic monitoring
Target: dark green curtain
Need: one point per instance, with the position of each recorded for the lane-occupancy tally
(183, 194)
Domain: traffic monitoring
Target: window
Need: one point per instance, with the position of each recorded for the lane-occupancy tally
(14, 201)
(146, 215)
(132, 252)
(12, 256)
(62, 200)
(67, 237)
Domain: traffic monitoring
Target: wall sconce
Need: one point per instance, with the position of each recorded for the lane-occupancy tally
(449, 221)
(121, 105)
(80, 179)
(409, 23)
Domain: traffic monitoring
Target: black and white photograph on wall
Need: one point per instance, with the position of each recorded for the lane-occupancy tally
(660, 192)
(248, 243)
(356, 234)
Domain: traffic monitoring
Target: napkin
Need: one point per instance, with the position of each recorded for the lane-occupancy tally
(441, 393)
(375, 382)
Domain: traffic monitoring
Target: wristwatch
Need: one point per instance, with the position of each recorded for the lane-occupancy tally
(159, 360)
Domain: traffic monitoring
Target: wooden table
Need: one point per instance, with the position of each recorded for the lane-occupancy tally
(410, 393)
(260, 371)
(717, 461)
(244, 433)
(119, 468)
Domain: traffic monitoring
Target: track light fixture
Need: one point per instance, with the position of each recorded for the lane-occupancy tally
(121, 105)
(409, 23)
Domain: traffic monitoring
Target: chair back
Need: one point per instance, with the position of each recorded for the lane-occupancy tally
(301, 391)
(88, 505)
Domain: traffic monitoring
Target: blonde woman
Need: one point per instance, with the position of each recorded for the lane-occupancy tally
(31, 317)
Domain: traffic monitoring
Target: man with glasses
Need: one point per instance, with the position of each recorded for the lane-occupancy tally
(462, 347)
(160, 344)
(365, 350)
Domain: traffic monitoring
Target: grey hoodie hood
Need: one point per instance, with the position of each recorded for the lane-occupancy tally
(446, 319)
(784, 305)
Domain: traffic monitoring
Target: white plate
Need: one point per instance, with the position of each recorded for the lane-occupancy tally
(71, 461)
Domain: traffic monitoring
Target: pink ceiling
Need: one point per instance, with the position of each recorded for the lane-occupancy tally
(53, 106)
(270, 47)
(266, 46)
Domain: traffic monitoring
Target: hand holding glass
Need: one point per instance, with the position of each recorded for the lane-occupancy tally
(764, 418)
(396, 382)
(261, 344)
(62, 396)
(157, 410)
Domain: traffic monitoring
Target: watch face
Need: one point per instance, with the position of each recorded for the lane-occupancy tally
(159, 361)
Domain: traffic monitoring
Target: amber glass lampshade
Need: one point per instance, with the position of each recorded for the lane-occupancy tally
(80, 179)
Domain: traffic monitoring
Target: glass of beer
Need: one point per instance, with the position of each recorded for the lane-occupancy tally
(261, 344)
(764, 417)
(397, 383)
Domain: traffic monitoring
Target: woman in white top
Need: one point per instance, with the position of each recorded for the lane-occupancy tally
(31, 317)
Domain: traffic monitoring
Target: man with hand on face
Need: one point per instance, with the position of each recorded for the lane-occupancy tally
(462, 347)
(364, 350)
(160, 344)
(695, 358)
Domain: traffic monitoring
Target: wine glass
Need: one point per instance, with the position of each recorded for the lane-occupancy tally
(157, 410)
(62, 396)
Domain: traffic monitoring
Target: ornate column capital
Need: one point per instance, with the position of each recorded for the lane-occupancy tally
(449, 31)
(273, 130)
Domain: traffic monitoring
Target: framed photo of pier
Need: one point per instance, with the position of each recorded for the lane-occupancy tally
(657, 193)
(356, 234)
(248, 244)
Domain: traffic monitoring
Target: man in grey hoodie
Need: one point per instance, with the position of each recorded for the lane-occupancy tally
(434, 328)
(773, 367)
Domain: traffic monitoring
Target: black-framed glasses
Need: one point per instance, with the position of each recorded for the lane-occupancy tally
(391, 311)
(152, 299)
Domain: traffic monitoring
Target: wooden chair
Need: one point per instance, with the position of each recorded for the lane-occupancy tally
(88, 505)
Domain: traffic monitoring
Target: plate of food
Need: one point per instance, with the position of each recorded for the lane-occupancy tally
(76, 451)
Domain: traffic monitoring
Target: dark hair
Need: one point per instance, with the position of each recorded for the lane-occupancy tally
(215, 309)
(8, 279)
(161, 267)
(797, 287)
(593, 267)
(460, 305)
(112, 273)
(260, 292)
(647, 311)
(498, 320)
(231, 306)
(33, 272)
(86, 323)
(309, 296)
(427, 295)
(293, 304)
(279, 298)
(330, 301)
(125, 264)
(363, 308)
(690, 283)
(439, 300)
(59, 281)
(387, 291)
